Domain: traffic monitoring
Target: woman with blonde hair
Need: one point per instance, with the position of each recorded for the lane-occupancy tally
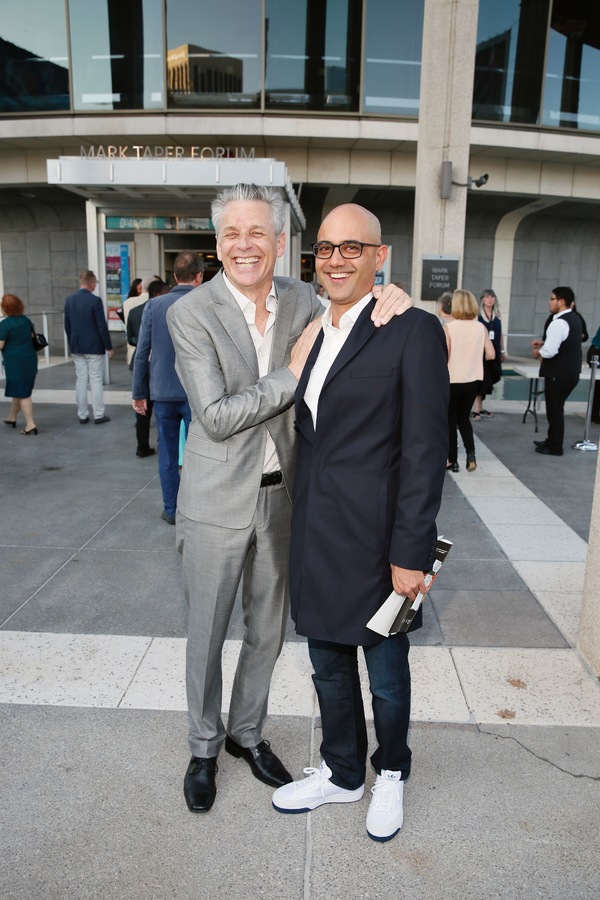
(20, 361)
(489, 315)
(468, 343)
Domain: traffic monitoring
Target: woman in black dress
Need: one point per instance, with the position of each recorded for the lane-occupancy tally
(20, 361)
(489, 315)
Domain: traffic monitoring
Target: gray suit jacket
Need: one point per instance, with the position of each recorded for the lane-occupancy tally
(232, 408)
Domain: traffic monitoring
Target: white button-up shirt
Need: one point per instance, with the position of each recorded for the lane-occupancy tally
(333, 341)
(262, 345)
(558, 331)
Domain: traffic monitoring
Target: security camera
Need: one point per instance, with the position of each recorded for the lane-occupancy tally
(483, 179)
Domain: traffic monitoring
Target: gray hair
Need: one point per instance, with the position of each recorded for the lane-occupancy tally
(244, 192)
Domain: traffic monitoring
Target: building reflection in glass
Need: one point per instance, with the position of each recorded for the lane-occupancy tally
(393, 48)
(572, 81)
(213, 54)
(117, 54)
(313, 55)
(34, 65)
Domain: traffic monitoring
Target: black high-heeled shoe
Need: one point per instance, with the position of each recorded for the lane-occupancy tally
(31, 431)
(12, 422)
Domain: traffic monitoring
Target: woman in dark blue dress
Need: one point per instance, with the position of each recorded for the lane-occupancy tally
(489, 315)
(20, 361)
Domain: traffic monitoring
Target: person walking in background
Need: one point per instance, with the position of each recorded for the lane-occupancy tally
(89, 341)
(138, 297)
(135, 289)
(371, 413)
(560, 354)
(155, 378)
(468, 344)
(20, 361)
(489, 315)
(134, 323)
(444, 309)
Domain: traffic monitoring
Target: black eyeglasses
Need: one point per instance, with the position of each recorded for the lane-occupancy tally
(348, 249)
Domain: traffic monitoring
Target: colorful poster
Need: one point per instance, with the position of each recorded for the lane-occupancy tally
(118, 279)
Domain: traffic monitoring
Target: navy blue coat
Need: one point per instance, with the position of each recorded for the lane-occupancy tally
(85, 324)
(369, 481)
(154, 372)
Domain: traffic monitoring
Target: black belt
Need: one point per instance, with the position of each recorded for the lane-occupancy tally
(271, 478)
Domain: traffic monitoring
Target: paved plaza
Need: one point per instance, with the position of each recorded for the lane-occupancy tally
(504, 799)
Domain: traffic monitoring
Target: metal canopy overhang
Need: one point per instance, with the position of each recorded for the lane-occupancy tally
(157, 183)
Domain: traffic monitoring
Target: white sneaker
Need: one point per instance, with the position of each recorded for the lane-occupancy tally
(385, 816)
(312, 791)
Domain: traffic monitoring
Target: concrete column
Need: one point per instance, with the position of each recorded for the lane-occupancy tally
(449, 41)
(504, 251)
(283, 264)
(588, 636)
(147, 255)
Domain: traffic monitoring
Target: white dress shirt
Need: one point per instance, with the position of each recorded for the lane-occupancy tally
(262, 345)
(558, 331)
(333, 341)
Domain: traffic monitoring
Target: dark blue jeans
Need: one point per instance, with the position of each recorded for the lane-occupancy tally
(337, 682)
(169, 414)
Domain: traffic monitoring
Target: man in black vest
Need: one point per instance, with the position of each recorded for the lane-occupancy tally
(560, 353)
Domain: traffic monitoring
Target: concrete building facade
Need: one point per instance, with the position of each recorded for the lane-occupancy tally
(400, 109)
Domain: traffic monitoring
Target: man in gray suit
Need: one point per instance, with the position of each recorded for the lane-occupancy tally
(241, 342)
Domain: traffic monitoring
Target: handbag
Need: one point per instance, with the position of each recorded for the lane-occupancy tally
(38, 339)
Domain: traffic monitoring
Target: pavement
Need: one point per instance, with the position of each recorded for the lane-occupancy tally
(504, 799)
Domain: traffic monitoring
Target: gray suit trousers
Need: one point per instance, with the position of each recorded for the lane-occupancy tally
(214, 561)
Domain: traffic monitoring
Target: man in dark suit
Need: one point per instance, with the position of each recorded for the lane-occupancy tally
(133, 324)
(560, 353)
(371, 411)
(154, 377)
(89, 340)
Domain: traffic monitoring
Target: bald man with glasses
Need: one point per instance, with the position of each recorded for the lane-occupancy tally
(371, 413)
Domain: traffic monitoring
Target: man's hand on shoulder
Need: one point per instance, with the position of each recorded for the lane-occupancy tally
(303, 346)
(391, 301)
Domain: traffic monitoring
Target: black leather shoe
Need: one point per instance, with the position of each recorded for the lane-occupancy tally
(102, 420)
(264, 764)
(547, 451)
(170, 520)
(199, 786)
(540, 443)
(145, 451)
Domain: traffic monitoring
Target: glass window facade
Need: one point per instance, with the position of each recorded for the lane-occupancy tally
(34, 60)
(392, 67)
(509, 62)
(117, 54)
(313, 55)
(537, 61)
(572, 77)
(214, 54)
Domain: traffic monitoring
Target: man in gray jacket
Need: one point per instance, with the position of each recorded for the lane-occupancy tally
(233, 338)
